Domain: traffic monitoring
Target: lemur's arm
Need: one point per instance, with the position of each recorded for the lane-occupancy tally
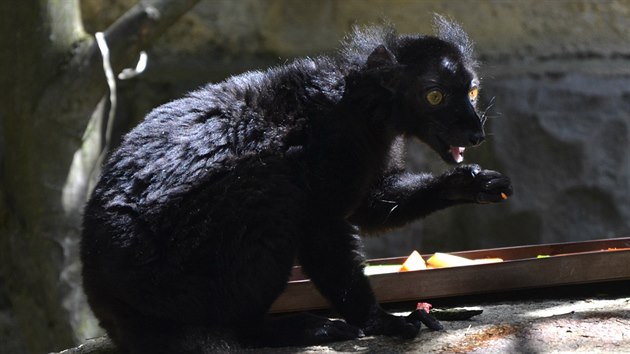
(401, 197)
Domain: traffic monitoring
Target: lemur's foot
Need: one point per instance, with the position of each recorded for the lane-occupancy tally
(383, 323)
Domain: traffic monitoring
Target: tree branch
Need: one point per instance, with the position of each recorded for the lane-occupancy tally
(140, 26)
(54, 80)
(100, 345)
(135, 30)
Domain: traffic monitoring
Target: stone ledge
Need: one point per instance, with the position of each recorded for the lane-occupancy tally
(527, 324)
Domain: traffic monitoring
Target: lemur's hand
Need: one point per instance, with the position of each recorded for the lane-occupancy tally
(471, 183)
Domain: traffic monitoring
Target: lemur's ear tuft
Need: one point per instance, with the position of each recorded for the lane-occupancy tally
(381, 56)
(359, 45)
(449, 31)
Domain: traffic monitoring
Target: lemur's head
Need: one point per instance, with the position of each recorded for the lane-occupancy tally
(433, 87)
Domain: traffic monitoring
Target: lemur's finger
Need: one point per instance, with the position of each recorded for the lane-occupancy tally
(502, 183)
(429, 321)
(495, 195)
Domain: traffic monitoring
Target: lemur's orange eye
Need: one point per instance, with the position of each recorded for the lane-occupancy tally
(434, 97)
(472, 94)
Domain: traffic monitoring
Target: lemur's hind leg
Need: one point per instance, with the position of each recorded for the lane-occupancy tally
(331, 256)
(298, 330)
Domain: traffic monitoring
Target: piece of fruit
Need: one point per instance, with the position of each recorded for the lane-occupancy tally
(487, 260)
(441, 260)
(413, 262)
(424, 306)
(381, 269)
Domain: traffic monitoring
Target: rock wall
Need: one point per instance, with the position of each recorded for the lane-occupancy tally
(558, 72)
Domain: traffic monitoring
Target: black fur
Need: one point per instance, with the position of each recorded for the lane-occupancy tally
(198, 217)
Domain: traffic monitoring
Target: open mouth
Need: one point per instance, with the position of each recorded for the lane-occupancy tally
(450, 153)
(457, 152)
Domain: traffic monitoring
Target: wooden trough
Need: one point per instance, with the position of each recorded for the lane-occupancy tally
(568, 263)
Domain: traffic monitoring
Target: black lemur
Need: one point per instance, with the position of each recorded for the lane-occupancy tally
(199, 215)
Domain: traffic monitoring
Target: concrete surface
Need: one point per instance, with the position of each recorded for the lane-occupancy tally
(546, 326)
(595, 321)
